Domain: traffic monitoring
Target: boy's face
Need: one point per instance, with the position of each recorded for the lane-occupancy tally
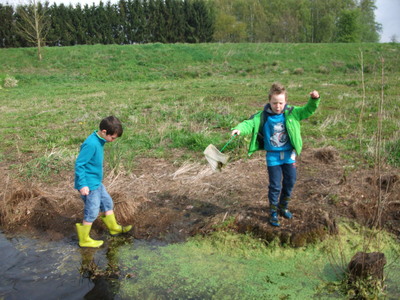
(109, 138)
(277, 102)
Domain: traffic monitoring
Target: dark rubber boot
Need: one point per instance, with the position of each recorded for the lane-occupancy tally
(273, 219)
(283, 208)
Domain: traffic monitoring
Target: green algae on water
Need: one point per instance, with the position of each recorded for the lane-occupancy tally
(232, 266)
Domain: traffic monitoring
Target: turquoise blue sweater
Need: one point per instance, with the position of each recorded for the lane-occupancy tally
(89, 163)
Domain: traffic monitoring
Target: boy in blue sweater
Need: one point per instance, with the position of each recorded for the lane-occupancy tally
(88, 181)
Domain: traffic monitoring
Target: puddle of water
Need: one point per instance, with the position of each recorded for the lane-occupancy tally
(32, 269)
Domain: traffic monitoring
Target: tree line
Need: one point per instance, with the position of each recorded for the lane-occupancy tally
(126, 22)
(296, 21)
(188, 21)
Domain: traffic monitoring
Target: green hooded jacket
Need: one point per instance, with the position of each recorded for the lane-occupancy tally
(293, 115)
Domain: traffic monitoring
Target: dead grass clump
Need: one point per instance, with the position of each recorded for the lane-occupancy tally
(10, 82)
(125, 208)
(191, 172)
(387, 182)
(219, 99)
(27, 206)
(338, 63)
(298, 71)
(323, 70)
(18, 205)
(327, 155)
(33, 208)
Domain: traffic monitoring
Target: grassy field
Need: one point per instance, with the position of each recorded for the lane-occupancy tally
(174, 100)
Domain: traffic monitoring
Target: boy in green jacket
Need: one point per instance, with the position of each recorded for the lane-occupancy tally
(88, 181)
(276, 129)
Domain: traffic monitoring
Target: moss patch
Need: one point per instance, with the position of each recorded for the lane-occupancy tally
(233, 266)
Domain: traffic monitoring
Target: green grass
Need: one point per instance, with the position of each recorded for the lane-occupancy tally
(233, 266)
(186, 96)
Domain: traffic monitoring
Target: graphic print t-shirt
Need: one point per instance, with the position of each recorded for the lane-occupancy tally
(276, 137)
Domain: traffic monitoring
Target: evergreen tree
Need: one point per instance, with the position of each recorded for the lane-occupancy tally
(151, 23)
(124, 25)
(103, 21)
(93, 36)
(188, 30)
(69, 27)
(80, 26)
(201, 22)
(115, 32)
(139, 21)
(7, 29)
(175, 21)
(61, 31)
(159, 16)
(137, 15)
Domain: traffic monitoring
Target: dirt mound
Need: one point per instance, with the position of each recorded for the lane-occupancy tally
(169, 202)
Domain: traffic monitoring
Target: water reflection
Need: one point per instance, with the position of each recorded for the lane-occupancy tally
(106, 279)
(34, 268)
(104, 287)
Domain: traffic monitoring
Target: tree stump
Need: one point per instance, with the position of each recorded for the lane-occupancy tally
(366, 266)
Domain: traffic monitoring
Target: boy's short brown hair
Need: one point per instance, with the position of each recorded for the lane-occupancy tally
(112, 125)
(277, 89)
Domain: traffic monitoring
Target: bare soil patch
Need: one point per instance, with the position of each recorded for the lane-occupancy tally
(169, 202)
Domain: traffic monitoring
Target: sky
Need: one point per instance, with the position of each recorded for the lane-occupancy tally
(387, 13)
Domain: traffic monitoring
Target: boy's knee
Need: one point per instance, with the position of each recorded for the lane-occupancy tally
(275, 188)
(90, 218)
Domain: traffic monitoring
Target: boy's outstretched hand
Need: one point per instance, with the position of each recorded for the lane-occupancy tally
(314, 94)
(235, 132)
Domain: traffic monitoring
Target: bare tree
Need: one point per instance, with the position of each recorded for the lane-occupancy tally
(33, 25)
(394, 39)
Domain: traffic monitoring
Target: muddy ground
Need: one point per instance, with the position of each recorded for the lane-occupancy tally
(170, 202)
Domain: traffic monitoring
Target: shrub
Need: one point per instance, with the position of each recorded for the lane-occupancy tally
(10, 82)
(323, 70)
(298, 71)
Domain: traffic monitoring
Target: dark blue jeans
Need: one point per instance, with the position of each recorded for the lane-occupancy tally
(281, 182)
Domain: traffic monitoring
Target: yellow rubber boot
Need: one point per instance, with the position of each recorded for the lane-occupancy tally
(113, 227)
(84, 239)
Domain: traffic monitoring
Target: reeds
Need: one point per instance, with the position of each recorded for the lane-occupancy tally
(371, 239)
